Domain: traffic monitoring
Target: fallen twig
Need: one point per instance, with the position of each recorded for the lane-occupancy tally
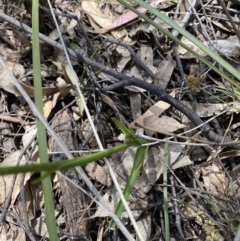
(127, 80)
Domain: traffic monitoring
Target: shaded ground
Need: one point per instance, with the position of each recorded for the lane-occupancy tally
(128, 70)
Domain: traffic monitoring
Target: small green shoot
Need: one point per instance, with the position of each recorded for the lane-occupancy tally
(137, 164)
(138, 161)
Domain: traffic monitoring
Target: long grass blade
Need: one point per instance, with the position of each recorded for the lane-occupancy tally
(165, 193)
(42, 138)
(138, 161)
(79, 93)
(57, 166)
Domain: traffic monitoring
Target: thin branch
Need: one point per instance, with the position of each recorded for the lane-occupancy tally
(127, 80)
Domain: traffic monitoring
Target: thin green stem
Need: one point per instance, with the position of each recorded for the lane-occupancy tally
(165, 192)
(57, 166)
(138, 161)
(42, 139)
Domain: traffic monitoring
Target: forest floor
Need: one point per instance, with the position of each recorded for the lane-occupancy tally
(129, 70)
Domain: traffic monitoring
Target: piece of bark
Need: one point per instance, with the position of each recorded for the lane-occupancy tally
(74, 201)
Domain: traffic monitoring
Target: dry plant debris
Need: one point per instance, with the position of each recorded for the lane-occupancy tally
(203, 173)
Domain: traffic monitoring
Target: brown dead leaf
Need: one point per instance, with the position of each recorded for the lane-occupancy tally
(135, 101)
(11, 232)
(122, 55)
(136, 72)
(63, 87)
(14, 55)
(164, 73)
(4, 231)
(48, 71)
(59, 67)
(70, 28)
(68, 74)
(30, 131)
(5, 80)
(70, 77)
(99, 173)
(64, 90)
(100, 17)
(111, 199)
(226, 26)
(163, 123)
(22, 38)
(227, 47)
(124, 36)
(184, 53)
(175, 150)
(6, 181)
(214, 179)
(208, 109)
(28, 202)
(146, 55)
(86, 129)
(144, 225)
(128, 16)
(47, 91)
(157, 109)
(54, 34)
(125, 18)
(37, 197)
(47, 107)
(39, 226)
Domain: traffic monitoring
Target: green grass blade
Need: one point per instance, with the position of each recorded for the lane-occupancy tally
(138, 161)
(130, 136)
(57, 166)
(123, 128)
(165, 192)
(42, 138)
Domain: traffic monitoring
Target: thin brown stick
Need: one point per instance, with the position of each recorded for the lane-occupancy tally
(13, 119)
(214, 144)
